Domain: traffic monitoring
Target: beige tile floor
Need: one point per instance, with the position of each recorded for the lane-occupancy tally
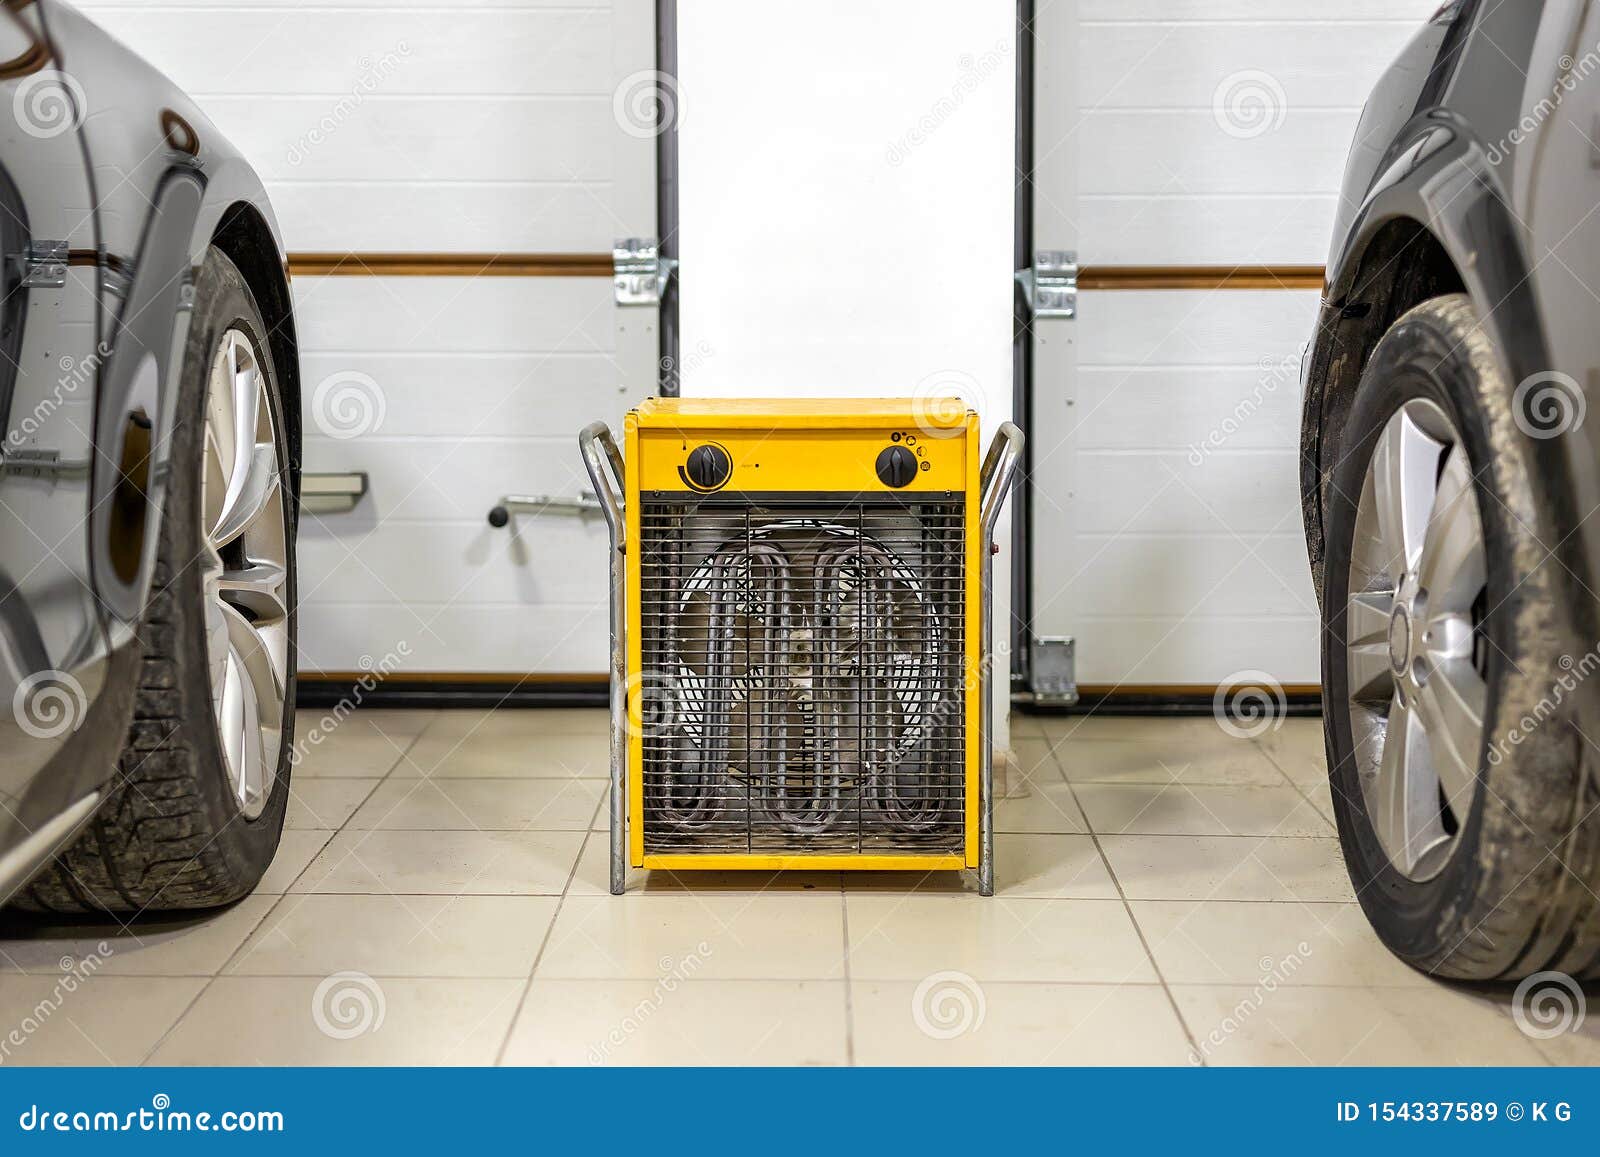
(1168, 893)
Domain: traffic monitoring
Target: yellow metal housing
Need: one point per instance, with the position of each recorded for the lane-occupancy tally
(776, 449)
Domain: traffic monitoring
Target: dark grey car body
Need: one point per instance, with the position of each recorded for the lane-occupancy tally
(1476, 168)
(112, 188)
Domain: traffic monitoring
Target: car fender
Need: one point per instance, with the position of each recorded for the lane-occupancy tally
(1436, 176)
(1440, 176)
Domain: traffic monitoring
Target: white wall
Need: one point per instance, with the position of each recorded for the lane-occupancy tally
(1171, 565)
(846, 195)
(846, 220)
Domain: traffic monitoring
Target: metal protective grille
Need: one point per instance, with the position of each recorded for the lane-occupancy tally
(803, 683)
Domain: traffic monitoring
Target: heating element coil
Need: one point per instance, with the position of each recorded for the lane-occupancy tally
(806, 686)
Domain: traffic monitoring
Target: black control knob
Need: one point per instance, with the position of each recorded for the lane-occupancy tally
(499, 516)
(708, 467)
(897, 466)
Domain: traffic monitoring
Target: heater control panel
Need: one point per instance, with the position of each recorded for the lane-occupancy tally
(709, 446)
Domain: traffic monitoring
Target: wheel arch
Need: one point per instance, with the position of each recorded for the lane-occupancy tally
(1401, 265)
(244, 235)
(1434, 221)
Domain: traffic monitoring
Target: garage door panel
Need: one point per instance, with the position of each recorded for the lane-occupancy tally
(537, 560)
(1195, 650)
(1239, 228)
(1184, 151)
(1176, 327)
(442, 138)
(296, 7)
(454, 314)
(399, 50)
(1170, 169)
(509, 640)
(1305, 15)
(462, 216)
(445, 395)
(1197, 408)
(450, 480)
(1170, 64)
(447, 391)
(1231, 491)
(1166, 422)
(1212, 575)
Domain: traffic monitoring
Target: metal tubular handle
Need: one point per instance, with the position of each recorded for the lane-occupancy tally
(584, 504)
(999, 472)
(604, 462)
(599, 449)
(1000, 466)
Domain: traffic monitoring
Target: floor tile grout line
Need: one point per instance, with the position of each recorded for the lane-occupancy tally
(400, 755)
(1298, 787)
(884, 978)
(1301, 903)
(206, 987)
(862, 891)
(272, 908)
(1138, 930)
(849, 1001)
(527, 987)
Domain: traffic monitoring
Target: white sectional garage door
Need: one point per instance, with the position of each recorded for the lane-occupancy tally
(385, 127)
(1186, 133)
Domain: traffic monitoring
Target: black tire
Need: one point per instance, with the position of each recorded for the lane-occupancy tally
(170, 835)
(1515, 896)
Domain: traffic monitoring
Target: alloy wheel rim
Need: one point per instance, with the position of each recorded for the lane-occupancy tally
(1415, 646)
(244, 563)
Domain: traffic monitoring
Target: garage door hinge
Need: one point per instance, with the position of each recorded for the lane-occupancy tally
(639, 273)
(1050, 285)
(44, 265)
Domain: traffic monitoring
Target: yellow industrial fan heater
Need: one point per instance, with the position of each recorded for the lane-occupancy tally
(800, 633)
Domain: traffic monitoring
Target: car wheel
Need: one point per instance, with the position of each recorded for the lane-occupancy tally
(1466, 833)
(194, 814)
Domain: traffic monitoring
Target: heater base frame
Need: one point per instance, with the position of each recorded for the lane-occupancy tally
(819, 862)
